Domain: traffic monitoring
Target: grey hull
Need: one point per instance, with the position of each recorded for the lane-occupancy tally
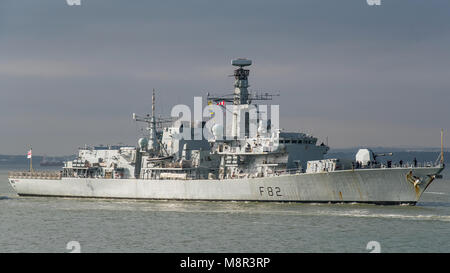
(383, 186)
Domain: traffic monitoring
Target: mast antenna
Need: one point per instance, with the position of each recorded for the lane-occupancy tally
(153, 103)
(442, 146)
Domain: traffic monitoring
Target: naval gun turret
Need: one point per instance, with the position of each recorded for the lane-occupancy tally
(367, 156)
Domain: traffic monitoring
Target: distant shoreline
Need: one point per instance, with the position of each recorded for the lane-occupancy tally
(404, 154)
(332, 150)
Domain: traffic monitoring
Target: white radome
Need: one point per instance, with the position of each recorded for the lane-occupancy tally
(217, 131)
(143, 142)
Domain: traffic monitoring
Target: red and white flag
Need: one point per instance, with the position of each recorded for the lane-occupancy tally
(29, 154)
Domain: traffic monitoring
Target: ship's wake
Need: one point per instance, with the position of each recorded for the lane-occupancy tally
(321, 210)
(438, 193)
(419, 217)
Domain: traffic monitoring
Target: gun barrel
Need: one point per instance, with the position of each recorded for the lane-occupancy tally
(385, 154)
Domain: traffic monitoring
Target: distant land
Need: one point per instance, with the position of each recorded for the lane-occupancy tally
(392, 149)
(6, 160)
(406, 154)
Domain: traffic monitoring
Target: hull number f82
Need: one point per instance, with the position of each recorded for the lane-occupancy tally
(270, 191)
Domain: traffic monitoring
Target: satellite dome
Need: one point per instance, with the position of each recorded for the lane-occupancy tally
(143, 142)
(217, 131)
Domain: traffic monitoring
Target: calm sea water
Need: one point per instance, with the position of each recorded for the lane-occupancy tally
(35, 224)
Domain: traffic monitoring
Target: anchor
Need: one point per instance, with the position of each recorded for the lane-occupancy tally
(416, 181)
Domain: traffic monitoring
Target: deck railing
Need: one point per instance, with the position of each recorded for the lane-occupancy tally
(35, 175)
(426, 164)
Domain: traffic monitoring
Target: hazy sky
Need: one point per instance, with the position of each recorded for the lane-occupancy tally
(359, 74)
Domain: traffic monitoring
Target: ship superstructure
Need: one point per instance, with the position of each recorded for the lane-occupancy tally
(249, 158)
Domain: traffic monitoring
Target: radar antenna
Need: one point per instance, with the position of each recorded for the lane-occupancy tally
(241, 94)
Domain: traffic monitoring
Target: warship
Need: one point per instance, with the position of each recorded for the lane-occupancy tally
(247, 159)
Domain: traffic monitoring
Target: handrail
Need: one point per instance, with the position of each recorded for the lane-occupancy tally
(35, 175)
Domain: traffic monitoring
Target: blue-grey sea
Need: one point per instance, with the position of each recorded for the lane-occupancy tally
(37, 224)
